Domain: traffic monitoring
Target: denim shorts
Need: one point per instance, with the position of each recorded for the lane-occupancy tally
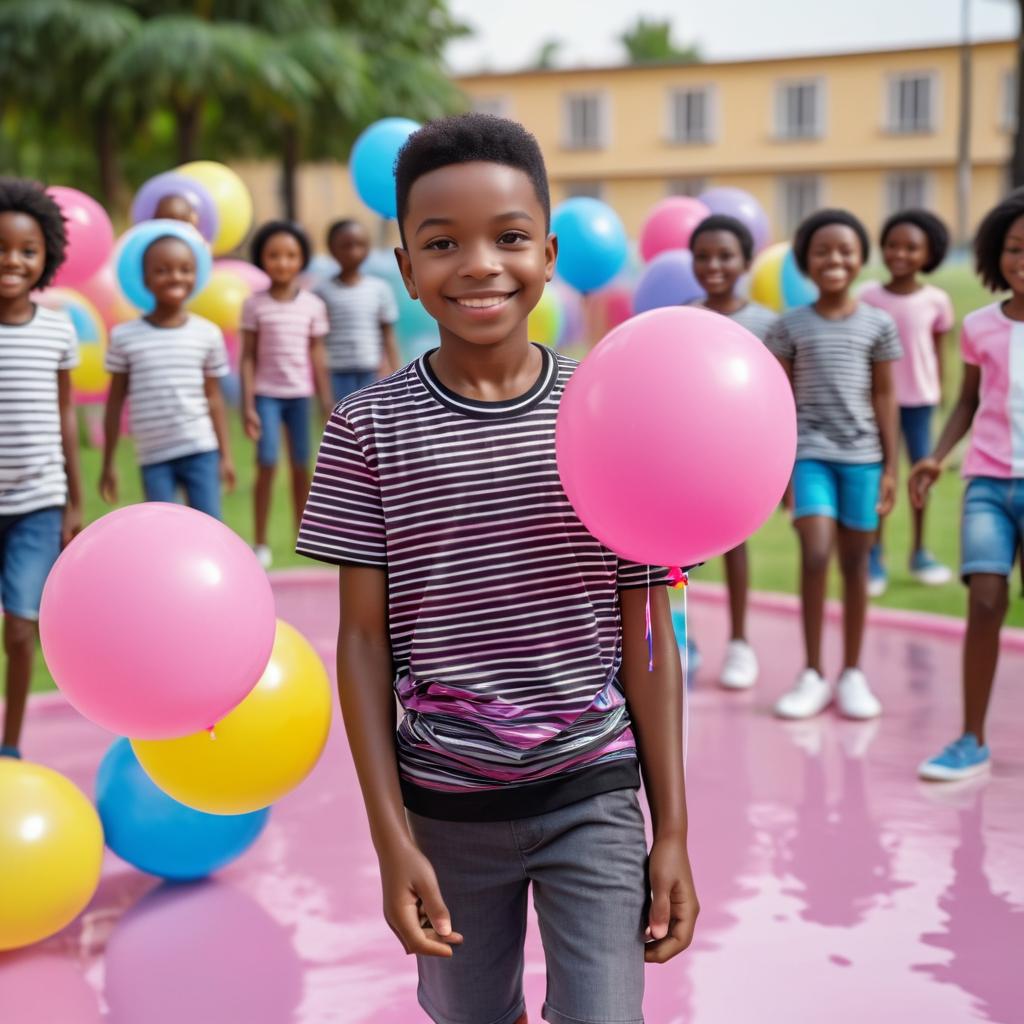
(916, 427)
(846, 492)
(197, 475)
(29, 545)
(992, 525)
(293, 414)
(344, 382)
(588, 866)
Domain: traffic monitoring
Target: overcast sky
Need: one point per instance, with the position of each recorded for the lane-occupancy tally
(510, 32)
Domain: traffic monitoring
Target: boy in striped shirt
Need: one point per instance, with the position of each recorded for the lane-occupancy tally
(514, 641)
(40, 487)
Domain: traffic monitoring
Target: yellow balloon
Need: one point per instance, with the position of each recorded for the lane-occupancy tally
(51, 849)
(230, 196)
(545, 321)
(89, 377)
(262, 749)
(221, 300)
(766, 276)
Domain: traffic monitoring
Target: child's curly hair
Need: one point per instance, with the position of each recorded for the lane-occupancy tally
(988, 242)
(20, 196)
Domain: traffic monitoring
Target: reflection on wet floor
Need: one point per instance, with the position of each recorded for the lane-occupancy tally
(834, 885)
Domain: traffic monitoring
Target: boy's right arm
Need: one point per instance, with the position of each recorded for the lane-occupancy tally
(365, 670)
(111, 433)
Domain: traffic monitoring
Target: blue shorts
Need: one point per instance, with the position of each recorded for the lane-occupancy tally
(846, 492)
(992, 525)
(916, 427)
(29, 545)
(293, 413)
(197, 475)
(344, 382)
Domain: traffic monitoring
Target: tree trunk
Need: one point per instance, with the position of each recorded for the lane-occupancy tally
(107, 162)
(290, 155)
(189, 119)
(1017, 160)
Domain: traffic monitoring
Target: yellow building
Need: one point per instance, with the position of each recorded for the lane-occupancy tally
(871, 131)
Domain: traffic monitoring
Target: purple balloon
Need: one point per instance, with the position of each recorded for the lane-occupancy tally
(170, 183)
(668, 280)
(734, 202)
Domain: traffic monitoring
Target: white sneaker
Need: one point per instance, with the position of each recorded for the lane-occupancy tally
(808, 698)
(264, 555)
(854, 696)
(739, 671)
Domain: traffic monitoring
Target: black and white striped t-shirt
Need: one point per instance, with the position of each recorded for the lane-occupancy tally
(503, 610)
(168, 410)
(355, 313)
(832, 372)
(32, 474)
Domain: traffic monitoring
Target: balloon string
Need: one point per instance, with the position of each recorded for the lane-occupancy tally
(649, 635)
(686, 675)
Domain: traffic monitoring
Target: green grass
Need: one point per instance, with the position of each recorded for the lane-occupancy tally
(773, 552)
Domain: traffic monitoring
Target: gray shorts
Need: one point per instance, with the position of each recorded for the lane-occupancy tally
(588, 866)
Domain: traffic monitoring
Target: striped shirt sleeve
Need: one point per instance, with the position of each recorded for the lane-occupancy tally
(388, 306)
(249, 321)
(632, 575)
(887, 344)
(116, 359)
(216, 362)
(343, 521)
(780, 341)
(319, 323)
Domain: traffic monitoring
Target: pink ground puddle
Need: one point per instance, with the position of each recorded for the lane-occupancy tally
(834, 885)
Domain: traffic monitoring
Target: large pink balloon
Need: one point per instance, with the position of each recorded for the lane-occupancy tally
(670, 224)
(676, 436)
(157, 621)
(89, 232)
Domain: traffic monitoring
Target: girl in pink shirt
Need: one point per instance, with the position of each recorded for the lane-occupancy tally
(283, 362)
(913, 242)
(991, 407)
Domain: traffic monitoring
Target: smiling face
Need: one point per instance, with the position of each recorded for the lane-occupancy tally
(22, 255)
(1011, 259)
(905, 250)
(477, 251)
(834, 258)
(169, 271)
(718, 262)
(281, 257)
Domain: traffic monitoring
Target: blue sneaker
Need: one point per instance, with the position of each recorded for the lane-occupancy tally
(927, 569)
(878, 578)
(6, 751)
(962, 759)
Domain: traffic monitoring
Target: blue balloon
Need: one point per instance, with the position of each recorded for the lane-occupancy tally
(797, 290)
(132, 248)
(668, 280)
(592, 242)
(414, 322)
(372, 162)
(155, 833)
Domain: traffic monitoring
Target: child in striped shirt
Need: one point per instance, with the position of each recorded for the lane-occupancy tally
(167, 365)
(40, 489)
(838, 354)
(283, 362)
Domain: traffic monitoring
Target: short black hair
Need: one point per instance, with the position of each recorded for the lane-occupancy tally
(169, 238)
(20, 196)
(463, 139)
(341, 225)
(934, 230)
(279, 227)
(988, 242)
(723, 222)
(822, 219)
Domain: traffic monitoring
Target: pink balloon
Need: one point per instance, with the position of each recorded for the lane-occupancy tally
(90, 235)
(676, 436)
(156, 621)
(248, 272)
(670, 224)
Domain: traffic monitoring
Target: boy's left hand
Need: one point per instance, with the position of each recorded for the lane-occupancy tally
(674, 905)
(886, 494)
(227, 474)
(71, 525)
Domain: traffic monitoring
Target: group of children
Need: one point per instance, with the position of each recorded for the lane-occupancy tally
(515, 642)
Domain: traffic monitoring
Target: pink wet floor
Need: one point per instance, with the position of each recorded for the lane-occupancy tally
(835, 887)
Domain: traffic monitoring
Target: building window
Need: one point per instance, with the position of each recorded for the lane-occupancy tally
(1008, 106)
(912, 103)
(499, 106)
(690, 113)
(906, 190)
(692, 187)
(585, 121)
(591, 189)
(799, 110)
(799, 197)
